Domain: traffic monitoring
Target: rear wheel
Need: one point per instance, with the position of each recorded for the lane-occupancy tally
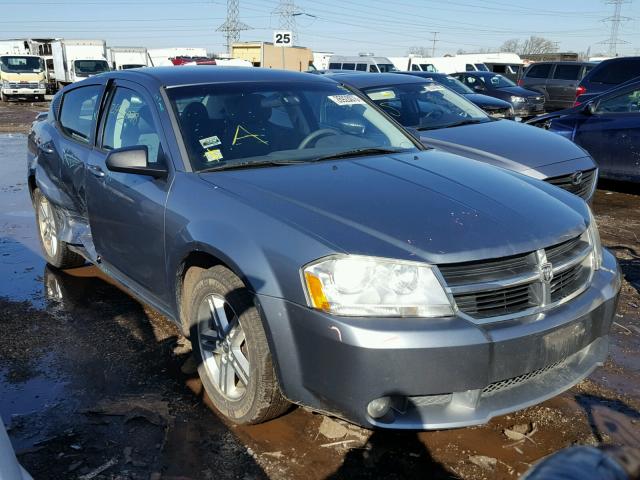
(230, 345)
(56, 252)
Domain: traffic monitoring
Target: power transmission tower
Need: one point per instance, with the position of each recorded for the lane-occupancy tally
(433, 46)
(616, 19)
(287, 10)
(232, 25)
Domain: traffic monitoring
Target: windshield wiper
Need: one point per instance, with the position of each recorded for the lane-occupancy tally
(469, 121)
(357, 152)
(259, 163)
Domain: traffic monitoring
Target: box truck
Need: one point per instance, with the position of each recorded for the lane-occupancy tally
(123, 58)
(75, 60)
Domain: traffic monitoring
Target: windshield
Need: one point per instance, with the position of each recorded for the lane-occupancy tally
(387, 67)
(482, 67)
(18, 64)
(85, 68)
(426, 105)
(498, 81)
(247, 123)
(453, 84)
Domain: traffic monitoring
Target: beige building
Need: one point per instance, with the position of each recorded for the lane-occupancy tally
(264, 54)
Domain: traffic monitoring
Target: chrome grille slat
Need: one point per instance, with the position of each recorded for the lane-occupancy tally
(499, 289)
(583, 189)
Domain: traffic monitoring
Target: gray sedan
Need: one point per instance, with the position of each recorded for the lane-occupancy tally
(317, 254)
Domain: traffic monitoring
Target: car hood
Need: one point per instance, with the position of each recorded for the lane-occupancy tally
(429, 206)
(485, 101)
(504, 143)
(519, 91)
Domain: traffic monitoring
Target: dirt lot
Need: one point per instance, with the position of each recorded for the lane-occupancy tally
(92, 380)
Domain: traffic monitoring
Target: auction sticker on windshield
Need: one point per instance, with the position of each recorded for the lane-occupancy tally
(213, 155)
(210, 142)
(346, 99)
(433, 88)
(382, 95)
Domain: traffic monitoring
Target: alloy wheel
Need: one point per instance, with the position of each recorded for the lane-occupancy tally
(223, 347)
(47, 225)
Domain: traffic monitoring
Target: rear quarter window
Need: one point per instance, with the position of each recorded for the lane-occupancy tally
(78, 112)
(567, 72)
(539, 71)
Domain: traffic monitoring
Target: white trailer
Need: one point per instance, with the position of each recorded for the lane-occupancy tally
(161, 57)
(75, 60)
(123, 58)
(14, 47)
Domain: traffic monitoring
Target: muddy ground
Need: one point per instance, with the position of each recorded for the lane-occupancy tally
(92, 381)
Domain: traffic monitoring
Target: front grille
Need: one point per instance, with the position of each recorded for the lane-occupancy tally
(583, 188)
(512, 285)
(23, 85)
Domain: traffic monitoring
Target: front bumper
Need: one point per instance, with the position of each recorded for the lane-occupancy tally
(24, 92)
(440, 373)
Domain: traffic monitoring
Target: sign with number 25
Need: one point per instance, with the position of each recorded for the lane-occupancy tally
(282, 38)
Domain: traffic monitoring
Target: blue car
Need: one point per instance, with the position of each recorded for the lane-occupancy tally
(608, 127)
(606, 75)
(317, 254)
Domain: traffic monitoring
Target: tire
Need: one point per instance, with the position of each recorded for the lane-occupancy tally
(56, 252)
(4, 97)
(238, 352)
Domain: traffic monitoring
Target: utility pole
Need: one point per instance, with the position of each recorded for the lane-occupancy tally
(433, 46)
(287, 10)
(616, 19)
(232, 25)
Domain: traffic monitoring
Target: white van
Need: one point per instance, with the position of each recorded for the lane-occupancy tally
(437, 64)
(362, 63)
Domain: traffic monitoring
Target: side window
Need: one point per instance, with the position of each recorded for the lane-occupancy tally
(334, 66)
(361, 67)
(499, 69)
(626, 103)
(373, 69)
(618, 72)
(469, 68)
(348, 66)
(415, 67)
(78, 114)
(129, 123)
(539, 71)
(567, 72)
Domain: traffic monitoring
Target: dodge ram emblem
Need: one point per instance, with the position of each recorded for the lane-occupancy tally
(546, 272)
(576, 178)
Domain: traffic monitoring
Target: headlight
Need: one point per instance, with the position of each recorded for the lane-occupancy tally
(596, 244)
(368, 286)
(5, 84)
(515, 99)
(42, 85)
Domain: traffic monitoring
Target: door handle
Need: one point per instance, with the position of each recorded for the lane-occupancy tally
(95, 170)
(44, 148)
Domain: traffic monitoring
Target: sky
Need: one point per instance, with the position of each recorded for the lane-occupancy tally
(382, 27)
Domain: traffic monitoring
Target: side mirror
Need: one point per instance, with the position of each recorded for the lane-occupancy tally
(134, 160)
(590, 108)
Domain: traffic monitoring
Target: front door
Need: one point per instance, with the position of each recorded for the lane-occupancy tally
(126, 211)
(612, 135)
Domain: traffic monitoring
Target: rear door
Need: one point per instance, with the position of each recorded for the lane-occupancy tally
(126, 210)
(612, 135)
(562, 87)
(70, 151)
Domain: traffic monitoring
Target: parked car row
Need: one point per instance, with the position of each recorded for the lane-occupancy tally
(347, 266)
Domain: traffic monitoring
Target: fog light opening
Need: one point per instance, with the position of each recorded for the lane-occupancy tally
(379, 407)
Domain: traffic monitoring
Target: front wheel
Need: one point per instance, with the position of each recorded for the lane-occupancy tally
(4, 97)
(230, 346)
(56, 252)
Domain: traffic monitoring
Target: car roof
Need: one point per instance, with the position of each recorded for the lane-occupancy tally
(189, 75)
(476, 73)
(367, 80)
(426, 74)
(561, 62)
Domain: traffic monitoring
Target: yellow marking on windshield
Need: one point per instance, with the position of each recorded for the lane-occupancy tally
(248, 135)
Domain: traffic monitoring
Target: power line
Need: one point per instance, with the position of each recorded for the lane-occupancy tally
(287, 11)
(616, 19)
(232, 25)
